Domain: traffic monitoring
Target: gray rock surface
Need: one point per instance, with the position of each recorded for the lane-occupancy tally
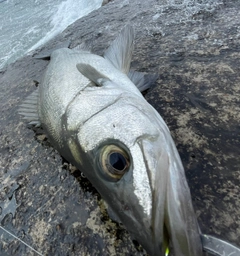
(195, 49)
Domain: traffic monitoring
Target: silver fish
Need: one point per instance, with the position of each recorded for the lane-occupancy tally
(93, 113)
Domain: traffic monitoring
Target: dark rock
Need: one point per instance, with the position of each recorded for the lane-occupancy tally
(196, 52)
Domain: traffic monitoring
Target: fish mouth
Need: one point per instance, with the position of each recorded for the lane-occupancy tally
(143, 210)
(172, 220)
(152, 198)
(159, 233)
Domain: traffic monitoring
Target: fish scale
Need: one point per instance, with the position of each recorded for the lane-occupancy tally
(63, 82)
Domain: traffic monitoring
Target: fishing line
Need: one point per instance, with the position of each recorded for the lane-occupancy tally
(21, 241)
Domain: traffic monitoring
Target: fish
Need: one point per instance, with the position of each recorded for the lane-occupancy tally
(93, 112)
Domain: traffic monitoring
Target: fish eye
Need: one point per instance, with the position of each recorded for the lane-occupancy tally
(117, 161)
(114, 162)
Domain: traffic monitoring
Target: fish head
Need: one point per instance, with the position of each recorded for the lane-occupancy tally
(127, 175)
(127, 153)
(122, 148)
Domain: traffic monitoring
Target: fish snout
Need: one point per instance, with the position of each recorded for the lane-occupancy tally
(150, 186)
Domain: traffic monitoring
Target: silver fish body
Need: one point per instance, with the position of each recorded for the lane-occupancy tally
(98, 120)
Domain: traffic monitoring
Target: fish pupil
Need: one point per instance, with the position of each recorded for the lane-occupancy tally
(117, 161)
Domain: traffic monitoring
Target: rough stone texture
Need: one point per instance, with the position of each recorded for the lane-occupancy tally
(195, 49)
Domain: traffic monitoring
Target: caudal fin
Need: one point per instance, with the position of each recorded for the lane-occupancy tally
(29, 109)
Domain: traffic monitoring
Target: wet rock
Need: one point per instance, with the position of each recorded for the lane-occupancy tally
(105, 2)
(195, 49)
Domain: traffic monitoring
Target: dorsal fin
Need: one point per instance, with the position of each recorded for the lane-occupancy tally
(142, 81)
(83, 47)
(29, 109)
(120, 51)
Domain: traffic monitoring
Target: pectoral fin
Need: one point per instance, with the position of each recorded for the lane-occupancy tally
(92, 74)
